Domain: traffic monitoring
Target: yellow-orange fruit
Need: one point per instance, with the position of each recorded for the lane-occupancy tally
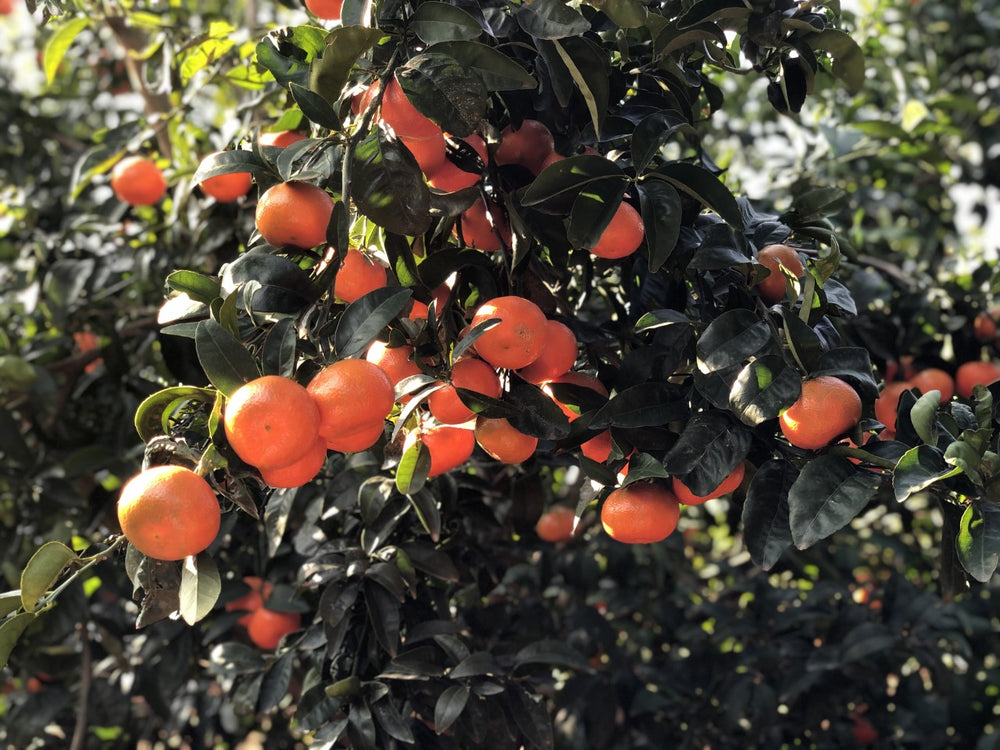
(727, 485)
(640, 513)
(271, 422)
(517, 340)
(827, 408)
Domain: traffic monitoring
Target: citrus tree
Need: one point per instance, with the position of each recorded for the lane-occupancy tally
(479, 410)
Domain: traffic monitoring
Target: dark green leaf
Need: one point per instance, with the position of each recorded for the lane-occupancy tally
(850, 363)
(336, 602)
(388, 185)
(536, 414)
(923, 416)
(866, 640)
(383, 615)
(660, 319)
(732, 339)
(805, 346)
(708, 450)
(828, 493)
(279, 285)
(551, 19)
(440, 22)
(531, 717)
(652, 133)
(629, 14)
(219, 163)
(497, 71)
(644, 405)
(706, 10)
(763, 389)
(481, 662)
(342, 47)
(592, 211)
(200, 587)
(10, 631)
(704, 187)
(274, 686)
(225, 362)
(388, 717)
(661, 218)
(360, 727)
(978, 542)
(556, 188)
(42, 571)
(446, 91)
(278, 353)
(918, 469)
(432, 561)
(551, 653)
(364, 319)
(449, 707)
(314, 107)
(153, 414)
(642, 466)
(588, 66)
(766, 529)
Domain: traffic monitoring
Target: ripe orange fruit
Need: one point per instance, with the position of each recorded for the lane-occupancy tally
(169, 512)
(227, 188)
(473, 375)
(477, 230)
(448, 178)
(772, 289)
(395, 361)
(294, 213)
(299, 472)
(450, 447)
(888, 402)
(974, 373)
(280, 138)
(354, 398)
(137, 181)
(400, 114)
(550, 160)
(622, 236)
(429, 152)
(528, 146)
(517, 340)
(556, 525)
(934, 379)
(640, 513)
(328, 10)
(271, 422)
(88, 341)
(358, 274)
(984, 327)
(267, 627)
(727, 485)
(598, 448)
(503, 442)
(826, 408)
(558, 354)
(250, 602)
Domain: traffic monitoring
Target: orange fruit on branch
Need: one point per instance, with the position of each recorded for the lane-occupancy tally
(597, 448)
(250, 602)
(450, 447)
(517, 340)
(934, 379)
(556, 525)
(640, 513)
(227, 188)
(138, 181)
(294, 213)
(478, 232)
(267, 627)
(887, 403)
(558, 354)
(299, 472)
(727, 485)
(429, 152)
(357, 275)
(622, 236)
(503, 441)
(827, 408)
(395, 361)
(471, 374)
(169, 512)
(974, 373)
(280, 138)
(529, 145)
(354, 398)
(271, 422)
(328, 10)
(399, 113)
(773, 257)
(449, 177)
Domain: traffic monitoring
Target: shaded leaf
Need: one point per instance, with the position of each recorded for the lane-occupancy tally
(763, 389)
(643, 405)
(828, 493)
(480, 662)
(363, 320)
(388, 186)
(661, 219)
(449, 707)
(342, 47)
(704, 187)
(766, 528)
(497, 71)
(732, 339)
(383, 615)
(551, 653)
(200, 587)
(274, 686)
(708, 450)
(10, 631)
(551, 19)
(440, 22)
(446, 91)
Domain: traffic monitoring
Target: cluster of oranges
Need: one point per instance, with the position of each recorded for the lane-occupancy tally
(264, 626)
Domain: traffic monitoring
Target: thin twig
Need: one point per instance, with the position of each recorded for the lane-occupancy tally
(83, 699)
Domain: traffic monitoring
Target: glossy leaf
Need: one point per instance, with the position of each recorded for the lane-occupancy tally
(360, 324)
(411, 473)
(978, 542)
(497, 71)
(437, 22)
(279, 353)
(551, 19)
(848, 59)
(828, 493)
(152, 416)
(446, 91)
(704, 187)
(644, 405)
(342, 47)
(226, 363)
(42, 571)
(449, 706)
(708, 450)
(388, 186)
(766, 527)
(200, 587)
(918, 469)
(661, 219)
(732, 339)
(10, 631)
(763, 389)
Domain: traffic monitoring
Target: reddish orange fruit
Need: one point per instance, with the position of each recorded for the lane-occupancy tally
(504, 442)
(328, 10)
(294, 213)
(429, 152)
(395, 361)
(887, 403)
(271, 422)
(267, 627)
(727, 485)
(450, 447)
(362, 100)
(974, 373)
(137, 181)
(358, 275)
(558, 354)
(517, 340)
(934, 379)
(550, 160)
(827, 408)
(448, 178)
(528, 145)
(984, 327)
(354, 398)
(640, 513)
(598, 448)
(772, 289)
(399, 113)
(300, 472)
(471, 374)
(622, 236)
(280, 138)
(88, 341)
(227, 188)
(556, 525)
(250, 602)
(169, 512)
(478, 232)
